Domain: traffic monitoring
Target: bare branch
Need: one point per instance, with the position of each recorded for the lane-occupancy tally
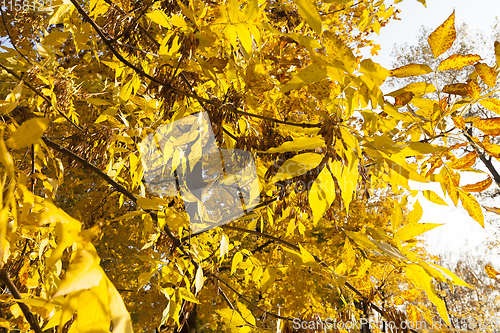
(4, 276)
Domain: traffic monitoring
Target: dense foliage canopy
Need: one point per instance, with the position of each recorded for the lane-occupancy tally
(86, 245)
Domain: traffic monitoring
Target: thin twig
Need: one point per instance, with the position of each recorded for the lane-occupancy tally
(249, 301)
(33, 169)
(340, 10)
(4, 276)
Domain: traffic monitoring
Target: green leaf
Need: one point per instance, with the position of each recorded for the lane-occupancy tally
(28, 133)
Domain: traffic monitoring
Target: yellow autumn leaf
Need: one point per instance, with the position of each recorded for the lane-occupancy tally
(238, 257)
(441, 39)
(421, 279)
(464, 162)
(347, 178)
(322, 194)
(416, 213)
(413, 230)
(418, 88)
(433, 197)
(459, 122)
(404, 98)
(472, 206)
(377, 73)
(93, 309)
(232, 318)
(413, 314)
(492, 149)
(28, 133)
(458, 61)
(451, 181)
(119, 314)
(473, 88)
(245, 313)
(497, 52)
(410, 295)
(297, 145)
(245, 37)
(309, 12)
(6, 157)
(492, 273)
(410, 70)
(442, 274)
(491, 104)
(84, 272)
(130, 87)
(479, 186)
(490, 126)
(159, 17)
(297, 165)
(456, 89)
(306, 76)
(487, 74)
(338, 50)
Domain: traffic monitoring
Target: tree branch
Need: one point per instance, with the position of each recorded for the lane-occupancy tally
(340, 10)
(275, 315)
(32, 88)
(4, 276)
(92, 168)
(317, 259)
(485, 161)
(139, 71)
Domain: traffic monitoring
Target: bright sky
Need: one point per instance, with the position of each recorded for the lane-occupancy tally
(461, 235)
(478, 14)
